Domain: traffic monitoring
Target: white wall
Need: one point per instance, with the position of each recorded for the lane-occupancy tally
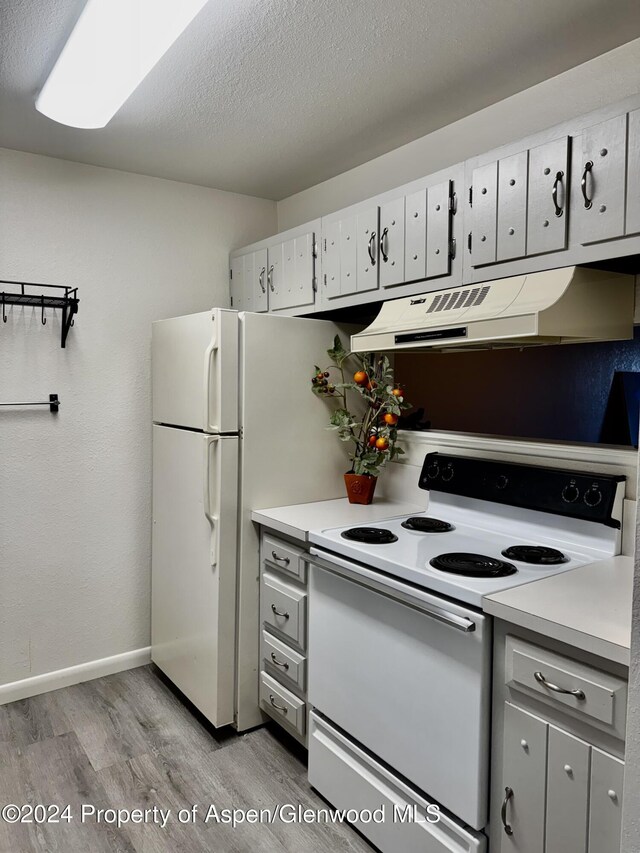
(75, 488)
(604, 80)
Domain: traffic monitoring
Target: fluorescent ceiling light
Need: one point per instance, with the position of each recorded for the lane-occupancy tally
(112, 48)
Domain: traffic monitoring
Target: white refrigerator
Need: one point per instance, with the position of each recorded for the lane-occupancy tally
(235, 428)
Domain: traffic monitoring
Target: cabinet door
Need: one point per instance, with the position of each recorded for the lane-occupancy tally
(524, 774)
(331, 259)
(512, 206)
(415, 241)
(275, 271)
(391, 242)
(605, 802)
(567, 793)
(438, 230)
(348, 263)
(238, 296)
(633, 175)
(367, 251)
(601, 176)
(255, 281)
(548, 197)
(304, 286)
(484, 214)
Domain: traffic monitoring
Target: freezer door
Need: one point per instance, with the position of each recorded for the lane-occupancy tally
(193, 581)
(195, 371)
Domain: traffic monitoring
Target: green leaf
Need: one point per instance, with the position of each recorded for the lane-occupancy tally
(338, 354)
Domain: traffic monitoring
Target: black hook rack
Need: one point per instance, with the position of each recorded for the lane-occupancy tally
(67, 300)
(53, 402)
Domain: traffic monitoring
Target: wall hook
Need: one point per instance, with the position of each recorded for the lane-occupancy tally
(43, 318)
(4, 313)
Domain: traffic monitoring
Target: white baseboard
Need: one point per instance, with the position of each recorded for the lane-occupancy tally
(48, 681)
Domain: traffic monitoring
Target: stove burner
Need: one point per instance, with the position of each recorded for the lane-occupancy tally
(473, 565)
(536, 554)
(427, 525)
(370, 535)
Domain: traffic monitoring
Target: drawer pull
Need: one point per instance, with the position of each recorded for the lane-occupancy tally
(284, 560)
(277, 612)
(508, 793)
(554, 193)
(276, 706)
(539, 677)
(588, 166)
(284, 665)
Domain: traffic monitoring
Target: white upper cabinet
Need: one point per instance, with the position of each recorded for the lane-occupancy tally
(633, 175)
(600, 165)
(512, 206)
(440, 241)
(548, 199)
(484, 214)
(392, 242)
(367, 255)
(278, 274)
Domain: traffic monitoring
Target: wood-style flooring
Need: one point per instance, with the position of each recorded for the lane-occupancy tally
(128, 742)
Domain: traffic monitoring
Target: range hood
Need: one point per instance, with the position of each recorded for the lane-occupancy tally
(560, 306)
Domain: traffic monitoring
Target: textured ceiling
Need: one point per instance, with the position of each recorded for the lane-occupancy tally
(268, 97)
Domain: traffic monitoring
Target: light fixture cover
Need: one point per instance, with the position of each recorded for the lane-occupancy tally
(112, 48)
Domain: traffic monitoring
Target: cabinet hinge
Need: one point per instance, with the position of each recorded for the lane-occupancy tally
(325, 279)
(232, 301)
(315, 249)
(453, 203)
(325, 244)
(452, 248)
(230, 274)
(315, 284)
(469, 241)
(470, 196)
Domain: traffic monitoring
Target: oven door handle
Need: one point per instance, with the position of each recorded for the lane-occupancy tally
(390, 587)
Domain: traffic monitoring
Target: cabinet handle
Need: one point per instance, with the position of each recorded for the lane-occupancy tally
(539, 677)
(383, 236)
(261, 279)
(279, 613)
(284, 560)
(277, 662)
(554, 193)
(371, 254)
(276, 706)
(270, 278)
(588, 166)
(508, 793)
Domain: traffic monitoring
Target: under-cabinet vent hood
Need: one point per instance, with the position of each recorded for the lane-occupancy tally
(559, 306)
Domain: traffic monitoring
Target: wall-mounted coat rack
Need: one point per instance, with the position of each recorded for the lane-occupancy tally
(42, 296)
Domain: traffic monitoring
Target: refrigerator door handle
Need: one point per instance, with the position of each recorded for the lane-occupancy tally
(212, 518)
(208, 359)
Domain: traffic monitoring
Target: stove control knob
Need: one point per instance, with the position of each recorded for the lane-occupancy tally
(570, 493)
(447, 472)
(502, 482)
(593, 496)
(433, 470)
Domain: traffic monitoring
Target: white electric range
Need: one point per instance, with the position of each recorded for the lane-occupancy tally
(400, 650)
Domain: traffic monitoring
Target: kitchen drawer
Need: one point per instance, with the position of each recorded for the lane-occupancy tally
(350, 778)
(288, 558)
(283, 608)
(599, 698)
(278, 657)
(282, 704)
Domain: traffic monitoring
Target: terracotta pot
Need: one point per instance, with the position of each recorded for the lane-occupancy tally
(360, 488)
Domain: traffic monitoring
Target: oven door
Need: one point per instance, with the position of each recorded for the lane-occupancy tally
(407, 675)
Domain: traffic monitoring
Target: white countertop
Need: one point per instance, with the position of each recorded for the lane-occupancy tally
(299, 519)
(588, 608)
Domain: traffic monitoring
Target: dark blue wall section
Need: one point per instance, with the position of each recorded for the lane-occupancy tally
(565, 393)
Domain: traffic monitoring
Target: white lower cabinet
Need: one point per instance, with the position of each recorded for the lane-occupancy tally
(560, 793)
(605, 802)
(567, 792)
(524, 777)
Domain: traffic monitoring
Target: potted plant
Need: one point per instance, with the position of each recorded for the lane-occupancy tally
(366, 412)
